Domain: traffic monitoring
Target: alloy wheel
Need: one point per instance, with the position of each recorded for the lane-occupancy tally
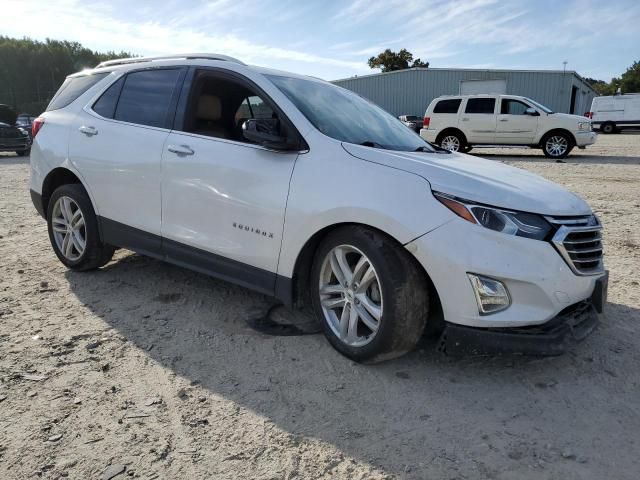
(350, 295)
(557, 145)
(451, 143)
(69, 231)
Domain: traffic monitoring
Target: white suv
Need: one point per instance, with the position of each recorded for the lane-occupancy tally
(458, 123)
(303, 190)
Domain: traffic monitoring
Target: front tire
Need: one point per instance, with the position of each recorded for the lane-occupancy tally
(73, 229)
(557, 145)
(23, 153)
(369, 295)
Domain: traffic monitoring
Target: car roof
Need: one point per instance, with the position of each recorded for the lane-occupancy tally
(195, 59)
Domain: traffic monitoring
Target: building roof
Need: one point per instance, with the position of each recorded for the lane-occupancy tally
(505, 70)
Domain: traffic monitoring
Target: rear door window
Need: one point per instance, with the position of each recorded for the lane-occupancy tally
(146, 97)
(480, 105)
(447, 106)
(72, 88)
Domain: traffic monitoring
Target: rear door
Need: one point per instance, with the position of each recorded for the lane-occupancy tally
(478, 121)
(514, 126)
(116, 143)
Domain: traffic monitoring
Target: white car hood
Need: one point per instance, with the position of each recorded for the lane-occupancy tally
(483, 181)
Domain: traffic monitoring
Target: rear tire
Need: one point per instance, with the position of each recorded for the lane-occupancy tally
(453, 141)
(608, 128)
(380, 312)
(557, 145)
(73, 229)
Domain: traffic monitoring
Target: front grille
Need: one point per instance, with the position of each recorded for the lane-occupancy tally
(579, 241)
(10, 133)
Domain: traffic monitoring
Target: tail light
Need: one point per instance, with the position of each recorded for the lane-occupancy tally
(425, 122)
(36, 126)
(589, 115)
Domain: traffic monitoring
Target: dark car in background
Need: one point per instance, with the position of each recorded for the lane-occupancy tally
(411, 121)
(13, 137)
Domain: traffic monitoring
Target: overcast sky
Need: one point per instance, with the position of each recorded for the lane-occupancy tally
(333, 39)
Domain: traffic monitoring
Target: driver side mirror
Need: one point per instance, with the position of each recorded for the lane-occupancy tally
(265, 132)
(531, 111)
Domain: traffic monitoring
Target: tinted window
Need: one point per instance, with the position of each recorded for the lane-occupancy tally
(106, 104)
(146, 97)
(447, 106)
(480, 105)
(345, 116)
(72, 88)
(513, 107)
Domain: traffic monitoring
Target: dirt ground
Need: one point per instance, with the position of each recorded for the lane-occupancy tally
(149, 371)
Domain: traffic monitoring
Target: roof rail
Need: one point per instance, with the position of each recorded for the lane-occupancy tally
(186, 56)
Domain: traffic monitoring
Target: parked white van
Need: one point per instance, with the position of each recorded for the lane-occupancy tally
(457, 123)
(615, 112)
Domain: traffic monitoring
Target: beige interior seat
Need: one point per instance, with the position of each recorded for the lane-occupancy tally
(209, 116)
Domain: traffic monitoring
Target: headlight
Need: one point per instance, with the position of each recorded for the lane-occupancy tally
(585, 126)
(520, 224)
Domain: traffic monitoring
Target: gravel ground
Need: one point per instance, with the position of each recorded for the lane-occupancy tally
(150, 371)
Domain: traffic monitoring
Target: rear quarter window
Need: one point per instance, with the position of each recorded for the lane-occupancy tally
(447, 106)
(72, 88)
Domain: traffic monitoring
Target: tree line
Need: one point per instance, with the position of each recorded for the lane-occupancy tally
(628, 82)
(31, 71)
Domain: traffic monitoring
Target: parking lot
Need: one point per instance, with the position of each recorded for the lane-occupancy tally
(151, 370)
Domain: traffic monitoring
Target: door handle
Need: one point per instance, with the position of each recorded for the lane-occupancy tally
(465, 119)
(504, 119)
(88, 131)
(180, 149)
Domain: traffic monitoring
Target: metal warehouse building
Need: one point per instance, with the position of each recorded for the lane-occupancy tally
(409, 92)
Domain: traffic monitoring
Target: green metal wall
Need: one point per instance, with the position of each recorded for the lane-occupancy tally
(409, 92)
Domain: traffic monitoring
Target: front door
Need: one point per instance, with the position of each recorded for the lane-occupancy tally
(515, 127)
(478, 120)
(223, 197)
(117, 144)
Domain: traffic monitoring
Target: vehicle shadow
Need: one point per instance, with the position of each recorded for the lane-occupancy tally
(411, 417)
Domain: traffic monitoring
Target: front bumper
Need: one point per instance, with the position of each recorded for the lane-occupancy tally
(585, 138)
(554, 337)
(540, 283)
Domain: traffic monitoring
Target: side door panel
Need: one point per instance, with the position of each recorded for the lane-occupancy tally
(223, 202)
(120, 155)
(478, 127)
(514, 126)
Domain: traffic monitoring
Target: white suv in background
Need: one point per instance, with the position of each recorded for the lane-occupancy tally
(457, 123)
(305, 191)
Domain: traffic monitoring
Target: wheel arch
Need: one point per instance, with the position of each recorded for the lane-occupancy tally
(450, 130)
(546, 134)
(63, 176)
(299, 292)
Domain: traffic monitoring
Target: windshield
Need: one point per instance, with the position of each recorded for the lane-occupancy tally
(345, 116)
(411, 118)
(541, 107)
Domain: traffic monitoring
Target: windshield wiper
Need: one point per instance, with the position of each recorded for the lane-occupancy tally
(436, 149)
(369, 143)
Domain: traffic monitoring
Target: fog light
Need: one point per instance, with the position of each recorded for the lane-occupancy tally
(491, 295)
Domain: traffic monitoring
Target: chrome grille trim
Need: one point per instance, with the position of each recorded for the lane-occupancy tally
(579, 242)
